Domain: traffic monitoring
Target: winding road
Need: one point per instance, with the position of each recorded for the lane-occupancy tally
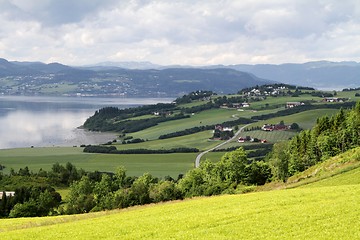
(198, 158)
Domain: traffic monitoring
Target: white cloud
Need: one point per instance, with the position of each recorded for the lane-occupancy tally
(179, 32)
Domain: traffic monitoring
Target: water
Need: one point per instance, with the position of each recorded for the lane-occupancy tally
(54, 121)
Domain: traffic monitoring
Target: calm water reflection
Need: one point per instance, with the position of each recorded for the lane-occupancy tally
(54, 121)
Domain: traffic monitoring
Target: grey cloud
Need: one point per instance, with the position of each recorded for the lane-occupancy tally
(57, 12)
(179, 32)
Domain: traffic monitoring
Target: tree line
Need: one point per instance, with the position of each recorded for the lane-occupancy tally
(114, 150)
(329, 137)
(193, 130)
(94, 191)
(99, 122)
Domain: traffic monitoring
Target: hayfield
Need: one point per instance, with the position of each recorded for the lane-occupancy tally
(198, 140)
(306, 119)
(159, 165)
(311, 213)
(326, 207)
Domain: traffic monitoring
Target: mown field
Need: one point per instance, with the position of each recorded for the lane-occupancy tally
(329, 212)
(159, 165)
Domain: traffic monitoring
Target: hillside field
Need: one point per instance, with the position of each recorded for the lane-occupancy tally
(319, 212)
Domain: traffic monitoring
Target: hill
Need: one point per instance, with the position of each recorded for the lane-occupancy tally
(328, 211)
(36, 78)
(322, 74)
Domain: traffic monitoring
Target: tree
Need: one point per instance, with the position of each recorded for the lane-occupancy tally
(279, 161)
(164, 191)
(120, 176)
(140, 190)
(80, 199)
(234, 165)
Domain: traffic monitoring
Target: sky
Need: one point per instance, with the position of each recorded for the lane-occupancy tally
(188, 32)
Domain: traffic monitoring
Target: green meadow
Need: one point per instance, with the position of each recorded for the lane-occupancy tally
(324, 212)
(159, 165)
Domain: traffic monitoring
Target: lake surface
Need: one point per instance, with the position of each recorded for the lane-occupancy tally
(54, 121)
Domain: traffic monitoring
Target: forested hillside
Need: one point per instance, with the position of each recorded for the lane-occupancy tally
(329, 137)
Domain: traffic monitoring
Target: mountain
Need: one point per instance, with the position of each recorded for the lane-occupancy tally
(127, 65)
(36, 78)
(321, 74)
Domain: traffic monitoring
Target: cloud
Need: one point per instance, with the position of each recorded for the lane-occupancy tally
(179, 32)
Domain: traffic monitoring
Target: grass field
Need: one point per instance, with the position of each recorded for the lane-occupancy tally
(197, 140)
(208, 117)
(274, 101)
(310, 213)
(306, 119)
(325, 209)
(159, 165)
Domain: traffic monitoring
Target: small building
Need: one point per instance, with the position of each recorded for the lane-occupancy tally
(334, 99)
(268, 127)
(227, 129)
(294, 104)
(7, 193)
(245, 105)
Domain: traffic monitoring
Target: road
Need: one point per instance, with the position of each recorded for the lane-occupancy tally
(198, 158)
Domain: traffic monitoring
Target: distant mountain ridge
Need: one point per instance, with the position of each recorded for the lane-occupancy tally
(36, 78)
(317, 74)
(144, 79)
(320, 74)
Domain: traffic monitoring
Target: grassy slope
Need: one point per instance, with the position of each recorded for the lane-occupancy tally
(314, 213)
(327, 211)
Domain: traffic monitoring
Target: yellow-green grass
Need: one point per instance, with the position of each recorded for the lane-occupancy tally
(198, 140)
(64, 192)
(213, 156)
(338, 170)
(208, 117)
(274, 101)
(345, 178)
(348, 94)
(159, 165)
(312, 213)
(142, 117)
(342, 169)
(306, 119)
(194, 104)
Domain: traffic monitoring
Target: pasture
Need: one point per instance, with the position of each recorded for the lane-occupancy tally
(304, 213)
(159, 165)
(198, 140)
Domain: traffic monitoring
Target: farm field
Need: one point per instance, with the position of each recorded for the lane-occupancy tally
(159, 165)
(275, 101)
(208, 117)
(198, 140)
(304, 213)
(306, 120)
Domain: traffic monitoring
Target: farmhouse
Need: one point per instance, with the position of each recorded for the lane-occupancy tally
(245, 105)
(274, 127)
(333, 99)
(222, 129)
(294, 104)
